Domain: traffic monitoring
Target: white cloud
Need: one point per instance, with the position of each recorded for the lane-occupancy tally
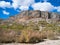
(58, 8)
(15, 4)
(26, 2)
(4, 4)
(45, 6)
(5, 12)
(19, 3)
(24, 7)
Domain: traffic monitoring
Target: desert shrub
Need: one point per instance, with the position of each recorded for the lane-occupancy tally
(7, 37)
(16, 26)
(58, 29)
(32, 26)
(28, 35)
(35, 40)
(49, 34)
(3, 26)
(42, 23)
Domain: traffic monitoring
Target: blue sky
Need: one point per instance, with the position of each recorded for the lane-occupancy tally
(13, 7)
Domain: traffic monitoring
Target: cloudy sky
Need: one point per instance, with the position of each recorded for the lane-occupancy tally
(13, 7)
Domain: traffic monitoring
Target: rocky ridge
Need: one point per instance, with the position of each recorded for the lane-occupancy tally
(28, 15)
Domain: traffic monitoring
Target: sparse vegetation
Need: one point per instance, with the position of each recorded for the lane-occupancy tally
(28, 32)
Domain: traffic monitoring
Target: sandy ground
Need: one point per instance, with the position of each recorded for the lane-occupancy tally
(48, 42)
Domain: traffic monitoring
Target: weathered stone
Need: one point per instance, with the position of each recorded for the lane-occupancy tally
(27, 15)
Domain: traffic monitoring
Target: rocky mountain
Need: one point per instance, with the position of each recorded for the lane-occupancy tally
(19, 28)
(36, 15)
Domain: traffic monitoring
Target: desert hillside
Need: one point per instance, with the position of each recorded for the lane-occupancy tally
(30, 27)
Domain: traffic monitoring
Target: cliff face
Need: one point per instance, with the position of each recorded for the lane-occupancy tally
(27, 15)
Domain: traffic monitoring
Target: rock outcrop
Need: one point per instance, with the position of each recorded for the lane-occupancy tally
(26, 15)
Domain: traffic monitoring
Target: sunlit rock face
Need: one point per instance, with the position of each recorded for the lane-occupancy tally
(28, 15)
